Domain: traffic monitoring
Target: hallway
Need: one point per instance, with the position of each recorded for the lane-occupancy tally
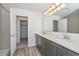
(31, 51)
(23, 43)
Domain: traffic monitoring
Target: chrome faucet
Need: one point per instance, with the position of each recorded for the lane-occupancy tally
(66, 36)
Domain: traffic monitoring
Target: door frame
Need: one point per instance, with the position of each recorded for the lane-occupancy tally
(13, 32)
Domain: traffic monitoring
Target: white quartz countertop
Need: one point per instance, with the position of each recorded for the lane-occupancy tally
(73, 46)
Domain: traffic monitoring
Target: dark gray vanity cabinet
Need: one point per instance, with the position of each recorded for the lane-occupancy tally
(38, 42)
(41, 44)
(50, 48)
(45, 46)
(60, 51)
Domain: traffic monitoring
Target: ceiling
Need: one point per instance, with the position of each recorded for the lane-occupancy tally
(38, 7)
(42, 7)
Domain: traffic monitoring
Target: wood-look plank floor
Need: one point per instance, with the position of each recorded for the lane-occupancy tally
(31, 51)
(23, 43)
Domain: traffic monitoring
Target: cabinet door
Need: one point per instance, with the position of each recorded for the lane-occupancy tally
(43, 47)
(36, 40)
(60, 51)
(50, 49)
(40, 42)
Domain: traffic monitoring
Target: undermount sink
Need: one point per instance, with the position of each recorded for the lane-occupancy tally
(61, 38)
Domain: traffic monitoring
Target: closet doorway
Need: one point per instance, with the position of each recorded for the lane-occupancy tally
(55, 26)
(22, 41)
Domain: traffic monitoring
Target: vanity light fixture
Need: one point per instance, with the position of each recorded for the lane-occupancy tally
(54, 8)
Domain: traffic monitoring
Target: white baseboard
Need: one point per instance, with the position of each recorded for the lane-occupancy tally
(4, 52)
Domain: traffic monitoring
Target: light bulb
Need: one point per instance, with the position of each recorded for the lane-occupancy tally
(53, 6)
(51, 13)
(49, 9)
(58, 8)
(62, 5)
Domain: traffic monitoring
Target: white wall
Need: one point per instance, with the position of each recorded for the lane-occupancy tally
(62, 25)
(4, 28)
(48, 22)
(34, 23)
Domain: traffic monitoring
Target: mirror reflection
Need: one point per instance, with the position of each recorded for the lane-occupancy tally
(66, 20)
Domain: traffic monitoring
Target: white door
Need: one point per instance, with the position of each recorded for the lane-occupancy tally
(12, 32)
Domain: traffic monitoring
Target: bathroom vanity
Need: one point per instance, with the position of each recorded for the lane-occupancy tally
(48, 45)
(63, 39)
